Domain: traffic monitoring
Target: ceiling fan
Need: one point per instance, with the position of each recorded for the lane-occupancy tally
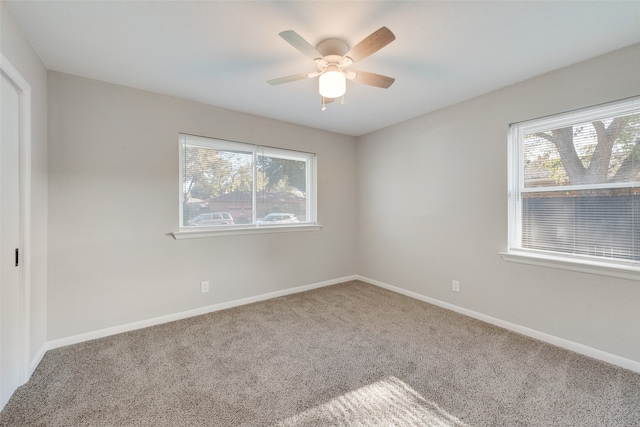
(333, 59)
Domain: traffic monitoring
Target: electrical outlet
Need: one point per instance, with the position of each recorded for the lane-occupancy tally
(455, 286)
(204, 287)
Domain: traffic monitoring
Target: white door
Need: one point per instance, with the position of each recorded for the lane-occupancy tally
(10, 334)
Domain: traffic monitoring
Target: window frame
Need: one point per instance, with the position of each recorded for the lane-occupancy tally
(310, 159)
(626, 269)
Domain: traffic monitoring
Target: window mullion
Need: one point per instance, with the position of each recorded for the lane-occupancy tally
(254, 192)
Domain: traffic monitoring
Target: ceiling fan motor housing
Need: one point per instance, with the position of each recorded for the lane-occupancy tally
(335, 47)
(333, 59)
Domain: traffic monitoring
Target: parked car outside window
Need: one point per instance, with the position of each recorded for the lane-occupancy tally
(278, 218)
(211, 219)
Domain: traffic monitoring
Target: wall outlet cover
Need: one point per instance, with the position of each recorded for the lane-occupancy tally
(204, 287)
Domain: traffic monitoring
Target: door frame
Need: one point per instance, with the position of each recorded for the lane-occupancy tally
(24, 308)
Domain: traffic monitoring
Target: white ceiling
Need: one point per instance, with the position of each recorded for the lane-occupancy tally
(223, 52)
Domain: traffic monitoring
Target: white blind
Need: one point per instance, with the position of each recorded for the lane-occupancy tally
(576, 183)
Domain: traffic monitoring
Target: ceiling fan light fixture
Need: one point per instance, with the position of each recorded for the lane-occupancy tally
(332, 84)
(333, 58)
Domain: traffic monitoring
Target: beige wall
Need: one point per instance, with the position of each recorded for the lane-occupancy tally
(432, 207)
(23, 58)
(113, 200)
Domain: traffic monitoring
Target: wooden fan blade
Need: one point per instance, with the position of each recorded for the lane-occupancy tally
(295, 40)
(371, 44)
(327, 100)
(288, 79)
(372, 79)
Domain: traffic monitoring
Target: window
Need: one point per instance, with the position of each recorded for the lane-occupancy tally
(574, 187)
(227, 185)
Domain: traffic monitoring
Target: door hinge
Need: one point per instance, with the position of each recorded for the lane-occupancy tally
(17, 256)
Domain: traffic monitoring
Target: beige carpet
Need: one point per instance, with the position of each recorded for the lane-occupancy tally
(350, 354)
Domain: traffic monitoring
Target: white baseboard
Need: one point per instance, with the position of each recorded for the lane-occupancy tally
(594, 353)
(542, 336)
(37, 359)
(101, 333)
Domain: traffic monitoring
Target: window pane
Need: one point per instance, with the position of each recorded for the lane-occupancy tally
(602, 223)
(281, 196)
(575, 184)
(595, 152)
(216, 181)
(227, 183)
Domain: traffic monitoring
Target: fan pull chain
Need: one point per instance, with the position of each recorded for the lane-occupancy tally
(324, 107)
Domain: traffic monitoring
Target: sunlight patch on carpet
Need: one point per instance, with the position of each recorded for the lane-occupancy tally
(388, 402)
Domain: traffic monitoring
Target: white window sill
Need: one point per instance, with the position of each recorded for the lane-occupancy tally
(196, 233)
(612, 268)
